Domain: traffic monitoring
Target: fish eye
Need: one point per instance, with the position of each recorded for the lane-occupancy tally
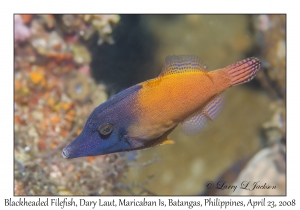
(105, 129)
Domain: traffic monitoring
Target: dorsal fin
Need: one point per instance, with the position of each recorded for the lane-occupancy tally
(175, 64)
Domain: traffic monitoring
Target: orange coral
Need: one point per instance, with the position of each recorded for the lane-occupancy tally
(17, 120)
(59, 57)
(66, 106)
(51, 102)
(37, 77)
(64, 133)
(55, 119)
(70, 168)
(26, 18)
(53, 145)
(90, 159)
(78, 131)
(41, 144)
(18, 84)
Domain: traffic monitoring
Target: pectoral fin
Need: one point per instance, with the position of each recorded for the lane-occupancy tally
(135, 143)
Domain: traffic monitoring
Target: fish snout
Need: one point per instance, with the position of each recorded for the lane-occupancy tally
(65, 153)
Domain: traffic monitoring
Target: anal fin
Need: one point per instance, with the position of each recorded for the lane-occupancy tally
(197, 122)
(214, 107)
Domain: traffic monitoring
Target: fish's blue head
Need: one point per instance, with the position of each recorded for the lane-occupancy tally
(102, 139)
(105, 130)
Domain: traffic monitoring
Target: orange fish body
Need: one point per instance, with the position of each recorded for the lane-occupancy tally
(180, 95)
(144, 114)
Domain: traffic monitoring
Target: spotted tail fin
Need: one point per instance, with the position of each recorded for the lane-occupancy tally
(243, 71)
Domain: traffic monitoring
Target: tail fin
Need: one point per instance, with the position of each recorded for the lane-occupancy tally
(243, 71)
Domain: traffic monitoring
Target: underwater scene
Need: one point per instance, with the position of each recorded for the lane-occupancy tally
(110, 104)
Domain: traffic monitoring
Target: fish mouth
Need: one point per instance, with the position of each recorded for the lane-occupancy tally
(65, 153)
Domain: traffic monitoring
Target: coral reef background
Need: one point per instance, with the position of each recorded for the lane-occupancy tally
(66, 65)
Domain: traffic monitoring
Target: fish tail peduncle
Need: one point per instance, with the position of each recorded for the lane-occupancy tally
(243, 71)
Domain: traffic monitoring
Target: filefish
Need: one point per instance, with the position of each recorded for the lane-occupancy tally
(143, 115)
